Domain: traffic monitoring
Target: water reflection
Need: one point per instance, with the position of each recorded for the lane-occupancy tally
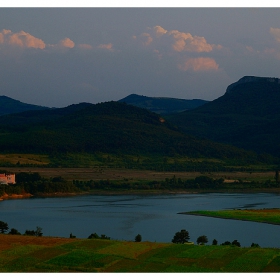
(153, 216)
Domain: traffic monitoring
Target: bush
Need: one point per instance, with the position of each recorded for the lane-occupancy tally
(235, 243)
(138, 238)
(96, 236)
(14, 231)
(37, 232)
(214, 242)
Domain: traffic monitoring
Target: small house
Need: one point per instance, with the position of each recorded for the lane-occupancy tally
(6, 179)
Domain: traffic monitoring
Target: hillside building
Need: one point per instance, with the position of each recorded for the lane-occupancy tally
(6, 179)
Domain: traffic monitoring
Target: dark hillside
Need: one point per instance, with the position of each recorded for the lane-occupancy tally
(110, 127)
(24, 119)
(12, 106)
(162, 105)
(245, 116)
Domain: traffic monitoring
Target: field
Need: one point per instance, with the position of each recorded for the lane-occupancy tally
(24, 159)
(98, 173)
(270, 216)
(47, 254)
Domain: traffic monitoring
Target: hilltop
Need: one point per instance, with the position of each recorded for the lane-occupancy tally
(110, 127)
(246, 116)
(12, 106)
(162, 105)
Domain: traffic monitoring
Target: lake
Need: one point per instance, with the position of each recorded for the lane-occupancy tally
(155, 217)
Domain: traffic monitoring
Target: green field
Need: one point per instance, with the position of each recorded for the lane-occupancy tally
(45, 254)
(270, 216)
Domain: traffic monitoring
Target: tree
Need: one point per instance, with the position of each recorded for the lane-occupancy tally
(94, 236)
(104, 236)
(202, 239)
(30, 232)
(214, 242)
(235, 243)
(3, 227)
(38, 231)
(181, 236)
(138, 238)
(226, 243)
(14, 231)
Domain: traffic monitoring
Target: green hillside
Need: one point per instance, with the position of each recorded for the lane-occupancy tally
(112, 128)
(246, 116)
(47, 254)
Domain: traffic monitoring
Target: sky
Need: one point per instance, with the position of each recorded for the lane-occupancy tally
(56, 57)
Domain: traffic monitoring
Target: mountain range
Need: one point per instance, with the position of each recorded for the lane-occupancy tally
(11, 106)
(162, 105)
(244, 119)
(110, 127)
(246, 116)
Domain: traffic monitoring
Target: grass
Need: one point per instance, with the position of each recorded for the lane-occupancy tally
(46, 254)
(270, 216)
(101, 173)
(30, 159)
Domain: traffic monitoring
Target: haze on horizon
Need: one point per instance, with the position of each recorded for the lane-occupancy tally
(60, 56)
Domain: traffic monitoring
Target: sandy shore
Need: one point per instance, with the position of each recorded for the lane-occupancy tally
(15, 196)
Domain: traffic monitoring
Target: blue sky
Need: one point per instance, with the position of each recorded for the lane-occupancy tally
(60, 56)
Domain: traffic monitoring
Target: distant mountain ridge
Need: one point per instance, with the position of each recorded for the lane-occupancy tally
(162, 105)
(246, 116)
(110, 127)
(11, 106)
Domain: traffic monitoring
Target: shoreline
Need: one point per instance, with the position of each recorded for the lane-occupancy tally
(136, 192)
(15, 196)
(227, 218)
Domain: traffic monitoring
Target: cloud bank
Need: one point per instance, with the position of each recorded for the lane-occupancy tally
(21, 39)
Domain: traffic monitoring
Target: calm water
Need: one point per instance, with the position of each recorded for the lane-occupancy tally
(155, 217)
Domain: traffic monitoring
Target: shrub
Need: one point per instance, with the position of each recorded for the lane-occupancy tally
(138, 238)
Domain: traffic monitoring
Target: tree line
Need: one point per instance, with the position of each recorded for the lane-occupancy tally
(180, 237)
(35, 184)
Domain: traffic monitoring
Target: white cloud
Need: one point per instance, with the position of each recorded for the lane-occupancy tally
(21, 39)
(176, 41)
(275, 32)
(106, 46)
(66, 43)
(159, 31)
(85, 46)
(199, 64)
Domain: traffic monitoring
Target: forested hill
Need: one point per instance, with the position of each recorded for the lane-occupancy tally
(110, 127)
(162, 105)
(11, 106)
(247, 116)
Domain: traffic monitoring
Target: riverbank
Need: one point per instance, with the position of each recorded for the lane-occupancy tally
(141, 192)
(15, 196)
(268, 216)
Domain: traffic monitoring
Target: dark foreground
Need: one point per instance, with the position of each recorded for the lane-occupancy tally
(50, 254)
